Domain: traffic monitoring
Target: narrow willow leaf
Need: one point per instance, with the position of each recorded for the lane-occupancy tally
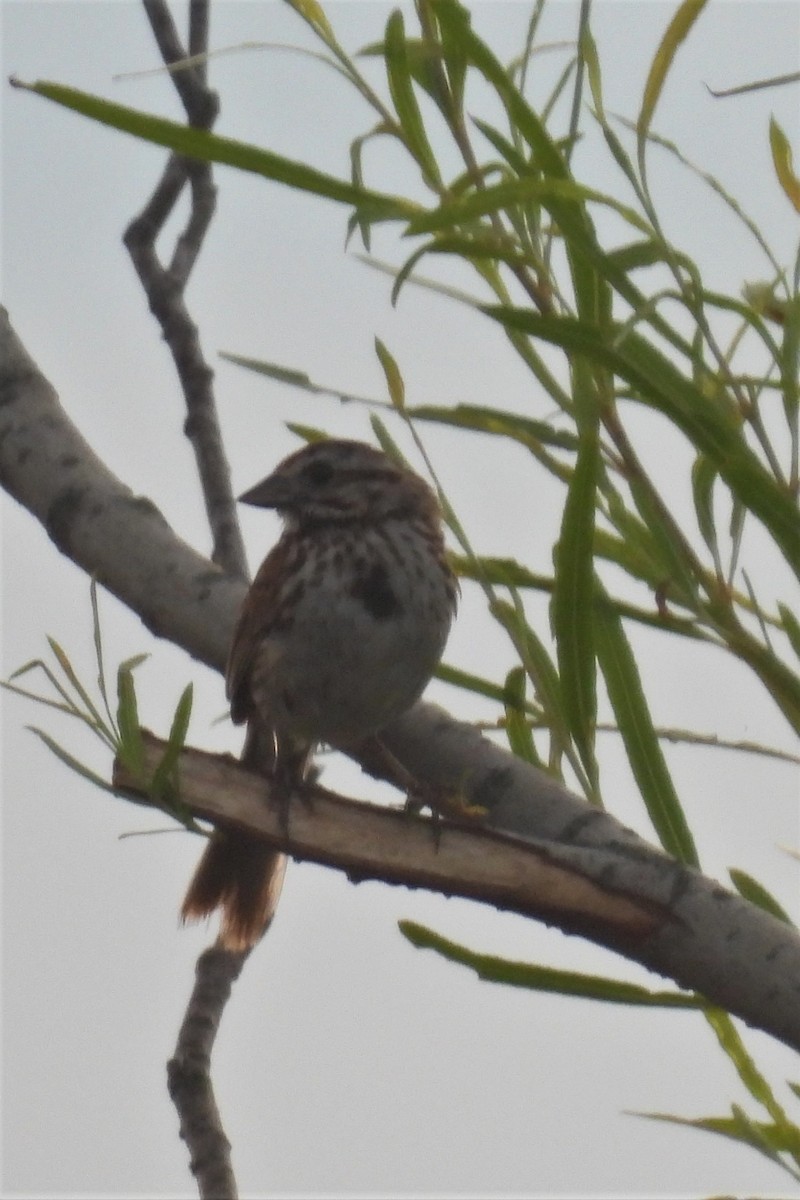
(541, 672)
(573, 607)
(386, 442)
(405, 102)
(756, 1083)
(210, 147)
(502, 196)
(73, 763)
(476, 246)
(394, 380)
(635, 255)
(790, 362)
(506, 149)
(298, 379)
(791, 627)
(704, 476)
(68, 708)
(760, 1135)
(476, 684)
(503, 572)
(453, 20)
(312, 12)
(163, 776)
(782, 161)
(546, 979)
(97, 635)
(757, 894)
(634, 549)
(677, 31)
(308, 433)
(518, 730)
(591, 62)
(66, 666)
(525, 430)
(131, 746)
(642, 746)
(679, 576)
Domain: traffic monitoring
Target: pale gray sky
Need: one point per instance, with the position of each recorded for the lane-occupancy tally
(348, 1063)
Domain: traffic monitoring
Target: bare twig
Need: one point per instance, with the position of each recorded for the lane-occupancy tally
(165, 285)
(189, 1074)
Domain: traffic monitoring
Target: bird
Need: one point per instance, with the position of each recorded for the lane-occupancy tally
(338, 635)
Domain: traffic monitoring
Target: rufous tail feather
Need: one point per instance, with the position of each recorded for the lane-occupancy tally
(242, 877)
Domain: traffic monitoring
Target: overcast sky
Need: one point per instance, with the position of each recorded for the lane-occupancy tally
(348, 1062)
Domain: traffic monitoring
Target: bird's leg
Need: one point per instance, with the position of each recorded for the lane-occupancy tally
(289, 777)
(442, 802)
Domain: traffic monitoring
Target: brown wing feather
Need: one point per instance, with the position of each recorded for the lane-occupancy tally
(257, 616)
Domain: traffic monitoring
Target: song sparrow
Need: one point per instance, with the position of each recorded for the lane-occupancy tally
(338, 635)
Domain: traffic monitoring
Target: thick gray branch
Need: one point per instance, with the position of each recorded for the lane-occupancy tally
(711, 940)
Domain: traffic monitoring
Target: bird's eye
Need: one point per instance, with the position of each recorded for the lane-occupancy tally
(318, 472)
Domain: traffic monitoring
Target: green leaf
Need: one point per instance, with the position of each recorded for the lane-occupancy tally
(518, 730)
(453, 20)
(782, 161)
(642, 746)
(97, 635)
(545, 979)
(73, 763)
(312, 12)
(791, 627)
(405, 102)
(474, 683)
(756, 1084)
(525, 430)
(540, 670)
(386, 442)
(760, 1135)
(757, 894)
(164, 780)
(704, 476)
(210, 147)
(502, 196)
(679, 572)
(506, 149)
(677, 31)
(307, 433)
(131, 746)
(572, 605)
(394, 380)
(790, 362)
(66, 666)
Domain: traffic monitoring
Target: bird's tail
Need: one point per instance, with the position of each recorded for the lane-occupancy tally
(238, 873)
(243, 877)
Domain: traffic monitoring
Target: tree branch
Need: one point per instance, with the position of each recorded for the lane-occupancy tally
(189, 1073)
(165, 285)
(575, 867)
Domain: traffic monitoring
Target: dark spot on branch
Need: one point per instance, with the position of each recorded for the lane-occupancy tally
(62, 513)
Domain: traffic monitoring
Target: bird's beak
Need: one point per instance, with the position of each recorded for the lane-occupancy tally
(272, 492)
